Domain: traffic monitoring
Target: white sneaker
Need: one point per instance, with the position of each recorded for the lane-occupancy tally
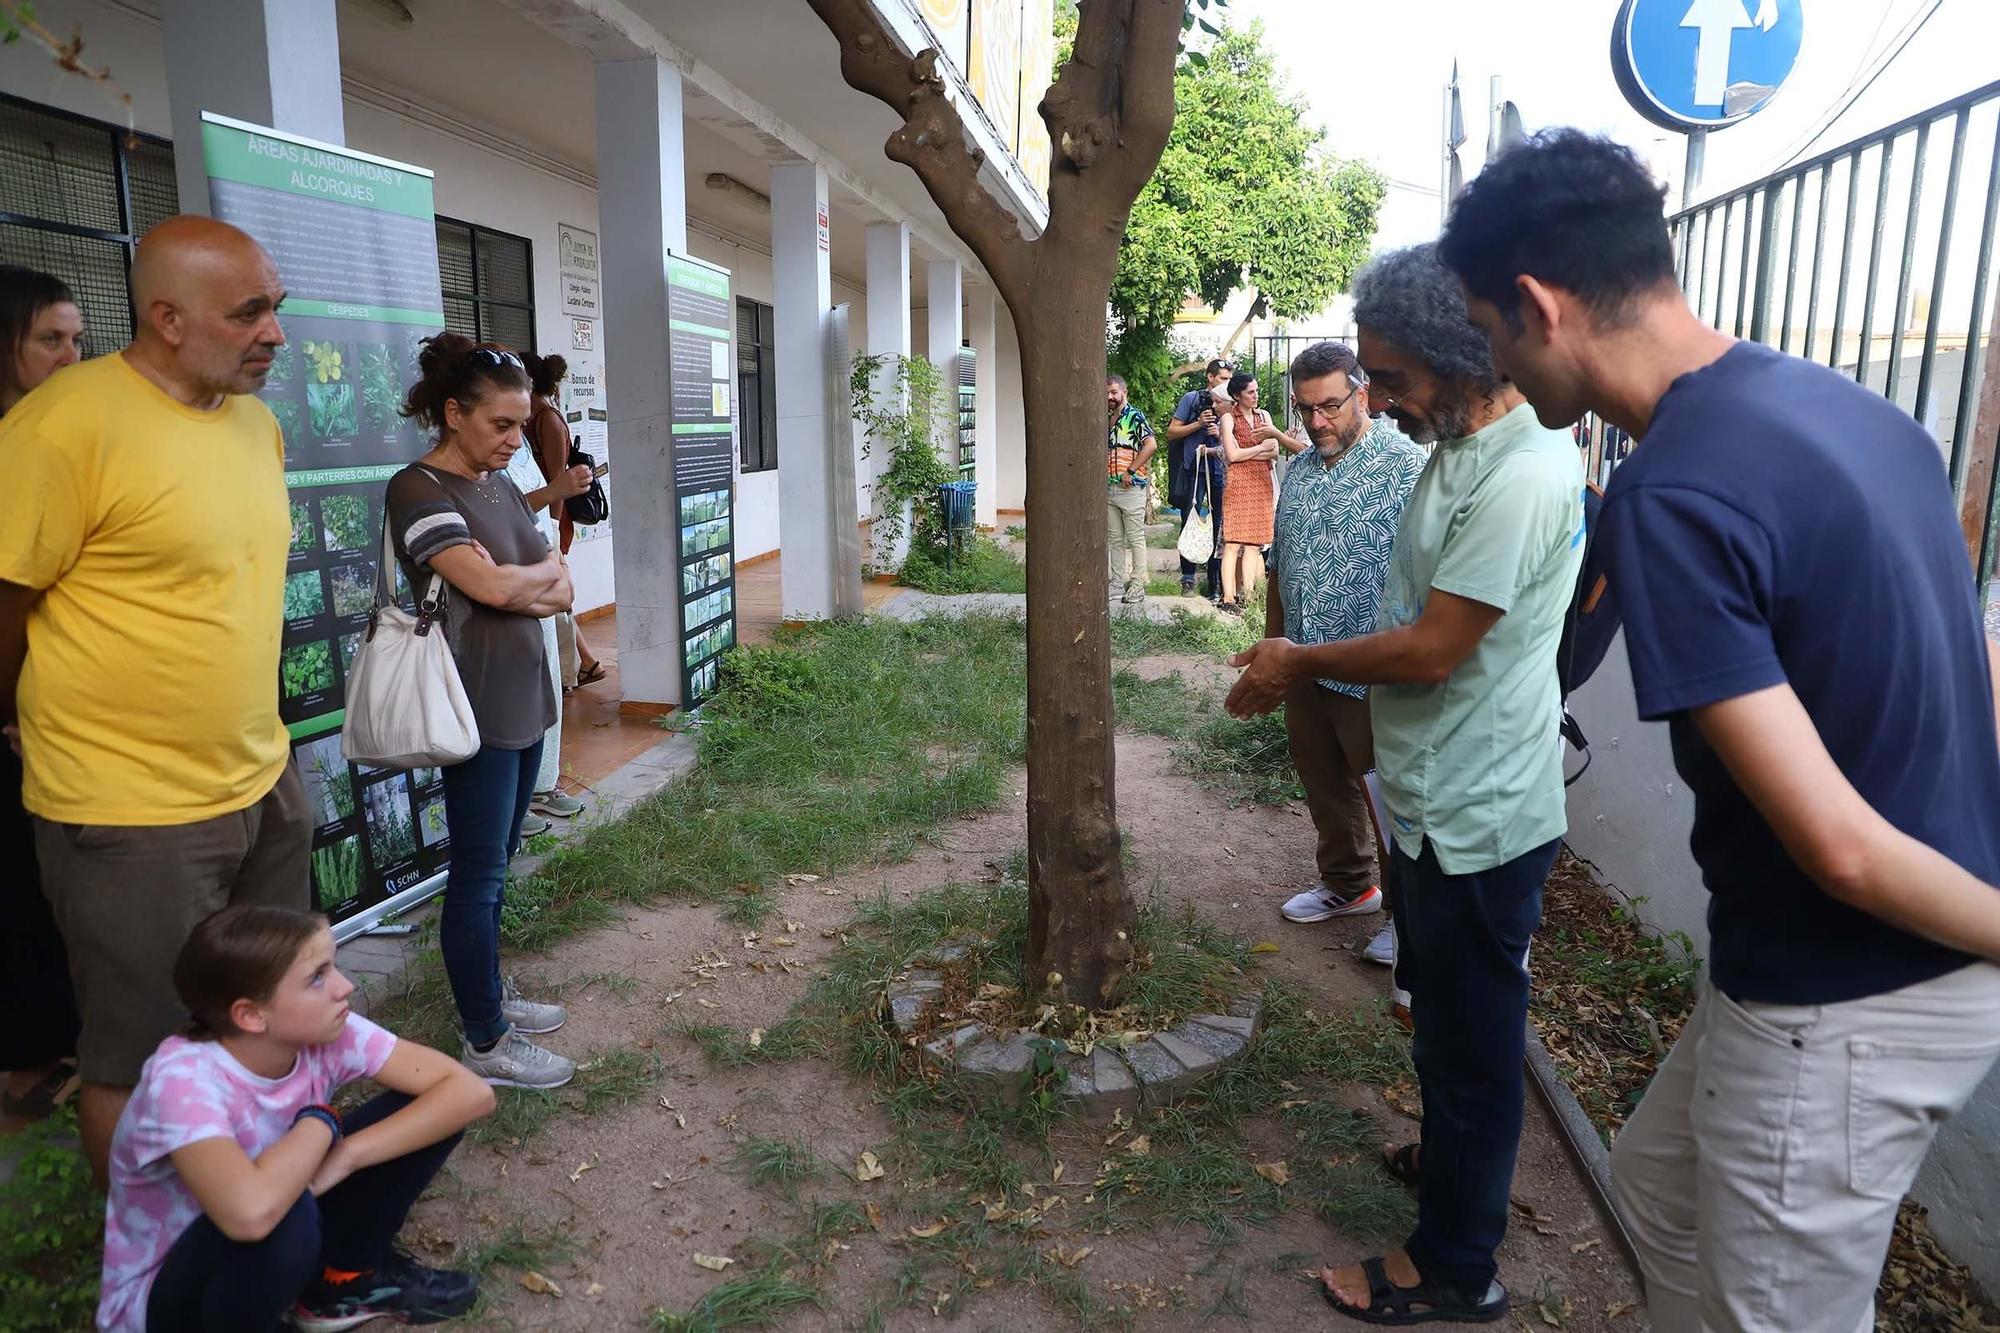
(516, 1062)
(1320, 903)
(1382, 949)
(525, 1015)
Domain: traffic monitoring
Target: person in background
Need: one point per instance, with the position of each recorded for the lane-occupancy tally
(454, 513)
(41, 331)
(545, 491)
(1465, 706)
(141, 605)
(239, 1195)
(1799, 608)
(1196, 424)
(1338, 509)
(1249, 444)
(548, 436)
(1128, 453)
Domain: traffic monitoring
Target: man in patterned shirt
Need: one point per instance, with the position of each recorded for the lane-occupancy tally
(1128, 452)
(1338, 506)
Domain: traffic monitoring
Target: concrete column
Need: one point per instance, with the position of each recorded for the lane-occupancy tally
(980, 301)
(269, 62)
(888, 324)
(641, 217)
(802, 290)
(947, 328)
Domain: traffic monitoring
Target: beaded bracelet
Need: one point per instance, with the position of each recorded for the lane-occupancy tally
(323, 1113)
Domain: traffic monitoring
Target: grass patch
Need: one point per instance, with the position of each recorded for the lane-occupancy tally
(518, 1245)
(784, 1162)
(1164, 541)
(1249, 758)
(754, 1300)
(51, 1231)
(983, 565)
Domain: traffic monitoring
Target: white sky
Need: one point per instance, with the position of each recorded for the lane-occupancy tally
(1373, 76)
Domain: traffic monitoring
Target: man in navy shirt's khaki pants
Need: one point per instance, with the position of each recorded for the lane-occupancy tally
(1799, 608)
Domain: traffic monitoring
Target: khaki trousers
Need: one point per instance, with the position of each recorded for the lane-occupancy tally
(1332, 746)
(1125, 514)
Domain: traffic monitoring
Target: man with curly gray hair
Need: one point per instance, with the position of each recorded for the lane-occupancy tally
(1465, 707)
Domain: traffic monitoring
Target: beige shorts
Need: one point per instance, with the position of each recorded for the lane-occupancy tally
(126, 899)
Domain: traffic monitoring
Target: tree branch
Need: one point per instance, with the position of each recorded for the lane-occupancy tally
(932, 141)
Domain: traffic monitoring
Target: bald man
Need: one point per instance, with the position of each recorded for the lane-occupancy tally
(143, 535)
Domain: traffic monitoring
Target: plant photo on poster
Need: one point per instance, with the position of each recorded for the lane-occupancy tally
(710, 641)
(305, 598)
(392, 837)
(305, 669)
(353, 588)
(705, 536)
(704, 609)
(701, 508)
(381, 382)
(329, 393)
(336, 873)
(705, 573)
(430, 823)
(329, 781)
(302, 528)
(702, 682)
(344, 519)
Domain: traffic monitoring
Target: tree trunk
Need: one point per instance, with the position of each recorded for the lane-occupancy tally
(1079, 909)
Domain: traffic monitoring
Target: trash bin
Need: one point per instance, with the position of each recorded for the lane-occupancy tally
(955, 511)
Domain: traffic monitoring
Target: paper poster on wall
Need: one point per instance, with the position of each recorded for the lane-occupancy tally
(355, 242)
(583, 404)
(700, 315)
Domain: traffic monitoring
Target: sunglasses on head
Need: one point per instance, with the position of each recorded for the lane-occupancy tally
(494, 357)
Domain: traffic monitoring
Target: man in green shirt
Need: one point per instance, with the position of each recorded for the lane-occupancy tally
(1465, 707)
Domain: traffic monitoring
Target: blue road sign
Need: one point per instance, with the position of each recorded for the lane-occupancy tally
(1703, 64)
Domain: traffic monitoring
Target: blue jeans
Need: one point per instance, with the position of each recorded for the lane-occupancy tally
(212, 1284)
(1462, 956)
(485, 799)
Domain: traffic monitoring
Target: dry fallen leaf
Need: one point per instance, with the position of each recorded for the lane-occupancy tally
(1055, 1176)
(1140, 1146)
(796, 880)
(582, 1167)
(756, 1038)
(873, 1213)
(538, 1284)
(1275, 1172)
(706, 1004)
(1263, 946)
(868, 1168)
(927, 1231)
(594, 1289)
(1583, 1245)
(1069, 1258)
(714, 1263)
(1620, 1309)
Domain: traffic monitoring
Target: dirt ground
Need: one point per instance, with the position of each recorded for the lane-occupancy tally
(638, 1192)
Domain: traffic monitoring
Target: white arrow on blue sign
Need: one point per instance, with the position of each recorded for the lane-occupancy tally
(1703, 64)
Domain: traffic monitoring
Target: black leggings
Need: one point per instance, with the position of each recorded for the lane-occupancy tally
(212, 1284)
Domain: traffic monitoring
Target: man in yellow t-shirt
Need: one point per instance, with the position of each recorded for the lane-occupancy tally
(143, 536)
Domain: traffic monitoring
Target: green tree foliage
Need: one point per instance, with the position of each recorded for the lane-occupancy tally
(1247, 194)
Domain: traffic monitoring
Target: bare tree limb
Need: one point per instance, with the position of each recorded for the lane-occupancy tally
(932, 141)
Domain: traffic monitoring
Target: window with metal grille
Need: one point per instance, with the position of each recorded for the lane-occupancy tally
(489, 285)
(78, 194)
(968, 412)
(756, 385)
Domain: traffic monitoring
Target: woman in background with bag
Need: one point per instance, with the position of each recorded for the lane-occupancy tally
(548, 435)
(455, 514)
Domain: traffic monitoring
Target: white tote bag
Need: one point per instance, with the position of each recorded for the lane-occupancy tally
(406, 707)
(1197, 543)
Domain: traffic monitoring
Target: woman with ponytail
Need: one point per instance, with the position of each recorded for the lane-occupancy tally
(454, 513)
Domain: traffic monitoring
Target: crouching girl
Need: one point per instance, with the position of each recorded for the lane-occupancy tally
(239, 1195)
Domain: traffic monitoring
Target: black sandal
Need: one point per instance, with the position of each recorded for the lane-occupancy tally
(590, 675)
(1390, 1304)
(1402, 1164)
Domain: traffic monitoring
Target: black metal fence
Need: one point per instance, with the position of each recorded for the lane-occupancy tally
(1271, 362)
(1875, 258)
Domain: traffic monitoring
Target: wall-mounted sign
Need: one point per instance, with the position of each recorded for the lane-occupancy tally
(1704, 64)
(580, 297)
(582, 335)
(700, 314)
(355, 242)
(576, 250)
(825, 229)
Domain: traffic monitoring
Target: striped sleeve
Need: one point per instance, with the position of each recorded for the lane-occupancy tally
(424, 519)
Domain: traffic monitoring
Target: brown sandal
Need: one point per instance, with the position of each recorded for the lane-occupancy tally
(590, 675)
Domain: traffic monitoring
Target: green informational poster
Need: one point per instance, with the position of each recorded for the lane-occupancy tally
(355, 242)
(702, 365)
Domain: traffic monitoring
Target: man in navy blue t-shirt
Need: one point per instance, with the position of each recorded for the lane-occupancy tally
(1799, 608)
(1195, 425)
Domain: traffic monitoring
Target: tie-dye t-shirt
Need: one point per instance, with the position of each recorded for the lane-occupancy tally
(190, 1091)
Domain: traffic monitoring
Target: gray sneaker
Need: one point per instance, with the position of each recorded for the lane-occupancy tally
(534, 826)
(556, 803)
(516, 1062)
(525, 1015)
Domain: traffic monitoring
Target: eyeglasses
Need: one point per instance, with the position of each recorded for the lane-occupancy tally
(494, 357)
(1329, 410)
